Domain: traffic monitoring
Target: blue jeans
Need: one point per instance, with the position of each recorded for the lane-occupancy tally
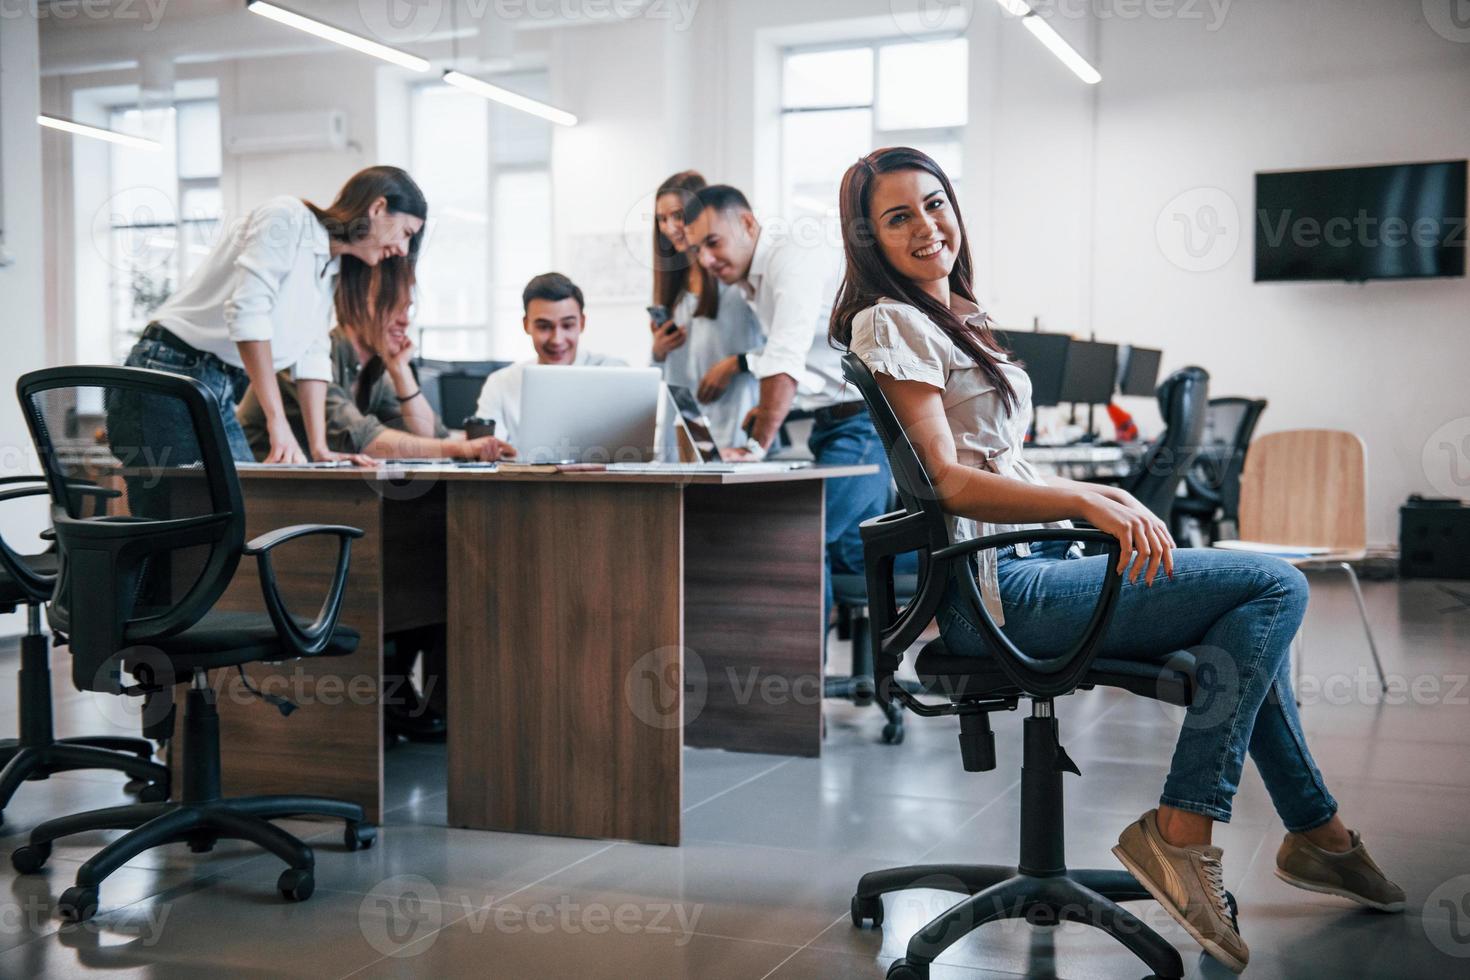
(1236, 612)
(228, 384)
(852, 499)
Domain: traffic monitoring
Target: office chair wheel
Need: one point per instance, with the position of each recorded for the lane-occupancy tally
(867, 908)
(296, 884)
(864, 690)
(153, 793)
(901, 970)
(27, 859)
(359, 836)
(202, 843)
(893, 733)
(77, 904)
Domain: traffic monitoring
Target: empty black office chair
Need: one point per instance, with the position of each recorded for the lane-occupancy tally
(1212, 486)
(28, 580)
(1156, 479)
(135, 596)
(1040, 887)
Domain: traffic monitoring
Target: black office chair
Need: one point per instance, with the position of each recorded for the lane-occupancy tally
(1156, 479)
(850, 596)
(28, 580)
(1040, 888)
(1212, 486)
(135, 595)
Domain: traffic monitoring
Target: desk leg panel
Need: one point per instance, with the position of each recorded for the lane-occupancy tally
(753, 585)
(563, 598)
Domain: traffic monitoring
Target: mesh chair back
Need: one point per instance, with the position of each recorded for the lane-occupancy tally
(169, 545)
(1229, 425)
(1182, 400)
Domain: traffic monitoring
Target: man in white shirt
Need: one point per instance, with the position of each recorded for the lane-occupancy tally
(791, 284)
(554, 320)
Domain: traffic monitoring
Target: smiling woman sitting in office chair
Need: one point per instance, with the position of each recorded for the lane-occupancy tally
(907, 309)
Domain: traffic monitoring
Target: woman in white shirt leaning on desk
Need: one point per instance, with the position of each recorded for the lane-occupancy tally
(263, 301)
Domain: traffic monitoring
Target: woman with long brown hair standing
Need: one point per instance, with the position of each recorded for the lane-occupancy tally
(707, 321)
(907, 308)
(263, 301)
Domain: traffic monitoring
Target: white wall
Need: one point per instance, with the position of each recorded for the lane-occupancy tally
(1285, 86)
(21, 282)
(1064, 182)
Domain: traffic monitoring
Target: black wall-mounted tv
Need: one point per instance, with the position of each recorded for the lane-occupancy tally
(1404, 221)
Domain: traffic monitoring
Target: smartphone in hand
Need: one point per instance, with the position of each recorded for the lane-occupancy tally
(660, 314)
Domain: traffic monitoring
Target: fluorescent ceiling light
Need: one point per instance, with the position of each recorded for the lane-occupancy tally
(97, 132)
(337, 36)
(508, 98)
(1048, 36)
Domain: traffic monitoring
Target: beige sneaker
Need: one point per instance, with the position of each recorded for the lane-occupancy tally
(1350, 874)
(1187, 883)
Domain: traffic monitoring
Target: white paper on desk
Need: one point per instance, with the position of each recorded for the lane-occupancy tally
(1280, 550)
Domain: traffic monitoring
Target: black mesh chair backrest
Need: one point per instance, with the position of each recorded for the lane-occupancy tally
(923, 526)
(915, 490)
(159, 560)
(1182, 396)
(1229, 425)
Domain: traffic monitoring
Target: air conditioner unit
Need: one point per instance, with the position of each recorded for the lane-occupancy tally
(286, 132)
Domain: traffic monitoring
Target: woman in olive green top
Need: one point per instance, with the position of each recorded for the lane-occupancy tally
(375, 405)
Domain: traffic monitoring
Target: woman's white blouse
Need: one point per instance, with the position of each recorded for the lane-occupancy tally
(273, 278)
(898, 340)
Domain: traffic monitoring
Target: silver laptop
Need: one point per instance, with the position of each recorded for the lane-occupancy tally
(588, 414)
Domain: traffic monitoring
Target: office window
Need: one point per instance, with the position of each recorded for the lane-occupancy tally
(486, 171)
(162, 214)
(840, 102)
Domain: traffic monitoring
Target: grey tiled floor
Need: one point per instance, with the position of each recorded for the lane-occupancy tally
(773, 847)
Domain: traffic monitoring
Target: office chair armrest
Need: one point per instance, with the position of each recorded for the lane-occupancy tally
(1041, 677)
(37, 586)
(270, 539)
(305, 641)
(15, 493)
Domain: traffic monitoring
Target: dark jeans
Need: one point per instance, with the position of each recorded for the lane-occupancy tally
(162, 431)
(853, 499)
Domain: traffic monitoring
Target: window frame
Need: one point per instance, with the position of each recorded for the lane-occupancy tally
(122, 335)
(488, 328)
(879, 135)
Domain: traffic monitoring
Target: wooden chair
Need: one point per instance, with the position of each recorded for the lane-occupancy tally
(1306, 488)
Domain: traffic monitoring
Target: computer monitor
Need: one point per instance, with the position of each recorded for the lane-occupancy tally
(453, 387)
(1091, 373)
(1138, 373)
(1044, 358)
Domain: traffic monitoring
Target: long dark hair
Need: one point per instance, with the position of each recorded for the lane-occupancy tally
(347, 220)
(671, 266)
(373, 331)
(869, 276)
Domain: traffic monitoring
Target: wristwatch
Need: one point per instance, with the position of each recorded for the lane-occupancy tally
(755, 449)
(743, 363)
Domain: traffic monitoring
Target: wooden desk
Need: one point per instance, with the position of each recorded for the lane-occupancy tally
(598, 622)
